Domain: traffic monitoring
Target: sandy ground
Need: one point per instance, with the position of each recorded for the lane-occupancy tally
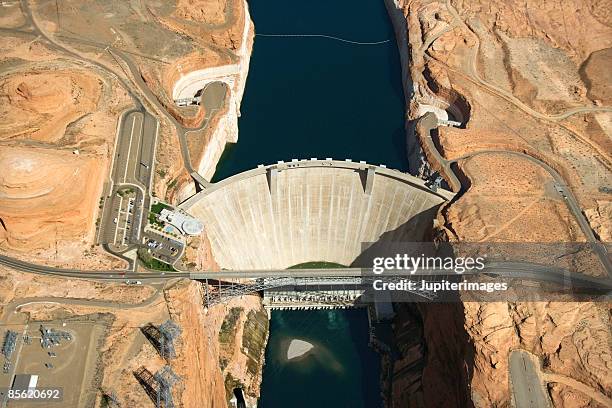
(57, 119)
(112, 315)
(16, 285)
(298, 348)
(510, 72)
(55, 106)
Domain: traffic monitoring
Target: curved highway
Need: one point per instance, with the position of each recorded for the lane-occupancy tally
(429, 122)
(510, 269)
(524, 270)
(145, 92)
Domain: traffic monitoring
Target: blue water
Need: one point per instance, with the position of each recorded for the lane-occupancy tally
(340, 370)
(316, 97)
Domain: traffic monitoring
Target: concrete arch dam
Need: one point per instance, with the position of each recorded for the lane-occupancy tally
(281, 215)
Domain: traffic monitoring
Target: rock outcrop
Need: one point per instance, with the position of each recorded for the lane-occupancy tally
(57, 131)
(523, 78)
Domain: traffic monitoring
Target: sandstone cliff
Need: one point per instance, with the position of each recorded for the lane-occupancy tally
(526, 78)
(57, 131)
(63, 87)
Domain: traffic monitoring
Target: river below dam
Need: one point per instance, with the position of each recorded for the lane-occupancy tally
(340, 370)
(320, 97)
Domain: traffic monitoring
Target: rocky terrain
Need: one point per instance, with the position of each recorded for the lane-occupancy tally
(67, 72)
(202, 363)
(528, 84)
(61, 98)
(57, 133)
(528, 81)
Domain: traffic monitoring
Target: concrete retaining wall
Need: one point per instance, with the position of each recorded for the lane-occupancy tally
(282, 215)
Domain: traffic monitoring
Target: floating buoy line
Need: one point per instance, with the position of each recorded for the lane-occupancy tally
(330, 37)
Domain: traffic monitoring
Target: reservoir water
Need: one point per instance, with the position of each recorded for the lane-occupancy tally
(319, 97)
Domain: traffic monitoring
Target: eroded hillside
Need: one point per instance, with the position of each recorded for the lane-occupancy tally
(527, 82)
(67, 74)
(70, 72)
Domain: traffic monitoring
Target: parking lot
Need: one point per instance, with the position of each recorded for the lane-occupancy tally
(162, 247)
(123, 213)
(123, 221)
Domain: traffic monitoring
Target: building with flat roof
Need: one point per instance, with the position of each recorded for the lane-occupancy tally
(183, 222)
(24, 382)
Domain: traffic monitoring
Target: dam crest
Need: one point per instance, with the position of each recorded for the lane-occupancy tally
(280, 215)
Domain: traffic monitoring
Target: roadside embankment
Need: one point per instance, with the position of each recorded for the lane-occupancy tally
(511, 80)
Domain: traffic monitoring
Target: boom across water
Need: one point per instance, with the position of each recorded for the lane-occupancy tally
(331, 37)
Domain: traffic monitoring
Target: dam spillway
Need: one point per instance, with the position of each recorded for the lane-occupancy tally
(277, 216)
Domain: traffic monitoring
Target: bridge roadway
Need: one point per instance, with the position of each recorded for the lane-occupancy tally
(524, 270)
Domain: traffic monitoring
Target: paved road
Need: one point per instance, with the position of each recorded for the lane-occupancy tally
(523, 270)
(145, 95)
(429, 122)
(14, 305)
(570, 201)
(146, 163)
(128, 147)
(527, 388)
(10, 308)
(124, 214)
(151, 99)
(206, 74)
(146, 149)
(505, 94)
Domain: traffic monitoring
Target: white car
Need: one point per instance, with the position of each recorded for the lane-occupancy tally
(133, 282)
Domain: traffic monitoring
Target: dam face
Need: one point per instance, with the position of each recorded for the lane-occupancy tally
(282, 215)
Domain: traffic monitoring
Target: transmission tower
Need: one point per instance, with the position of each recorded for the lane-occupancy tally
(165, 379)
(169, 331)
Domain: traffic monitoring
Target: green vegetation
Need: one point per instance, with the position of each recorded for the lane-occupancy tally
(228, 327)
(152, 263)
(254, 337)
(155, 211)
(154, 221)
(108, 401)
(227, 338)
(317, 265)
(125, 192)
(223, 363)
(158, 207)
(162, 173)
(172, 183)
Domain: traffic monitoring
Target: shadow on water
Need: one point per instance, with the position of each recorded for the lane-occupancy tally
(320, 98)
(444, 336)
(370, 390)
(395, 69)
(399, 142)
